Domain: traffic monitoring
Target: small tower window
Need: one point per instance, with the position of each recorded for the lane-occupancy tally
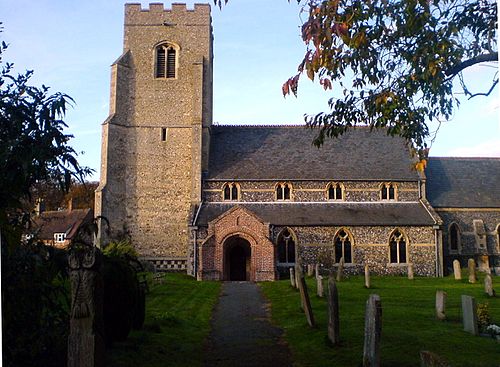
(343, 247)
(335, 192)
(283, 191)
(163, 134)
(397, 244)
(230, 192)
(388, 191)
(166, 60)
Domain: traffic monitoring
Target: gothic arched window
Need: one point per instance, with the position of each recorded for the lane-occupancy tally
(343, 246)
(388, 191)
(283, 191)
(397, 245)
(286, 247)
(335, 191)
(166, 61)
(454, 239)
(230, 192)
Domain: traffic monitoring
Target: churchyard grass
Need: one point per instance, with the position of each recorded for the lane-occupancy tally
(409, 323)
(177, 323)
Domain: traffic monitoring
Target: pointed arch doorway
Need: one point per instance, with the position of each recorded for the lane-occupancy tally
(237, 259)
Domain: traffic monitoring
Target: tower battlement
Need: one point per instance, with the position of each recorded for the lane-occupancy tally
(135, 9)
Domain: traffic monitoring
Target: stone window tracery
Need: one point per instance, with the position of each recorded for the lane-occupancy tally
(454, 237)
(343, 246)
(388, 191)
(286, 247)
(335, 191)
(230, 191)
(166, 61)
(283, 191)
(397, 246)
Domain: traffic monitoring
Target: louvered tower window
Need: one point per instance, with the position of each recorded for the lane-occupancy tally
(166, 58)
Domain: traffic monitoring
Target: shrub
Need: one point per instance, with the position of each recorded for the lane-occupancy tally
(121, 248)
(483, 315)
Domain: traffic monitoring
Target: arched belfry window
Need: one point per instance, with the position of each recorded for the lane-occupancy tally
(286, 247)
(166, 61)
(343, 246)
(230, 191)
(388, 191)
(335, 191)
(283, 191)
(454, 237)
(398, 249)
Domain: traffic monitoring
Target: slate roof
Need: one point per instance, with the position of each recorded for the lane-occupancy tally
(63, 221)
(463, 182)
(287, 153)
(322, 214)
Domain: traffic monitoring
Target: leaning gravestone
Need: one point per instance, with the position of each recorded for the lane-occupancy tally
(319, 286)
(469, 314)
(410, 272)
(457, 271)
(488, 286)
(441, 305)
(373, 331)
(333, 312)
(367, 276)
(306, 302)
(472, 271)
(292, 277)
(86, 326)
(340, 269)
(310, 270)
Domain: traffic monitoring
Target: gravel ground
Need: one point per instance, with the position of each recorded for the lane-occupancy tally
(241, 332)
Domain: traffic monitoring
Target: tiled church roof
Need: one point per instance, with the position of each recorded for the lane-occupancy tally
(311, 214)
(463, 182)
(287, 153)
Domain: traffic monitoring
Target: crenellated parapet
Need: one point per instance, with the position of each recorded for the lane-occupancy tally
(157, 14)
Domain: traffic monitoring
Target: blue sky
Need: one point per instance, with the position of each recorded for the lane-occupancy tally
(71, 44)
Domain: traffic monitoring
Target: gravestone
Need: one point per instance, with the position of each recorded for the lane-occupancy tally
(298, 273)
(457, 271)
(441, 305)
(469, 314)
(310, 270)
(430, 359)
(306, 302)
(472, 271)
(410, 271)
(333, 312)
(373, 331)
(292, 277)
(488, 286)
(316, 270)
(367, 276)
(86, 326)
(319, 286)
(340, 269)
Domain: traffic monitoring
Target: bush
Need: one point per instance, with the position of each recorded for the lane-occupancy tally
(121, 248)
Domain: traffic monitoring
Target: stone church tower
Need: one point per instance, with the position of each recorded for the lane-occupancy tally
(158, 128)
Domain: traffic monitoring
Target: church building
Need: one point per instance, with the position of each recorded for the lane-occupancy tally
(229, 202)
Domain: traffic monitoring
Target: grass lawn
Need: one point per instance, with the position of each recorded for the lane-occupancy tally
(408, 322)
(177, 323)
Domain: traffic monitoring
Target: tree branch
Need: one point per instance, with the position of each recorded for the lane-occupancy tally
(475, 60)
(484, 94)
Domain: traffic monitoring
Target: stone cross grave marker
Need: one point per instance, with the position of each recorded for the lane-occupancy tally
(306, 302)
(319, 286)
(373, 331)
(333, 312)
(469, 314)
(488, 286)
(441, 305)
(410, 272)
(367, 276)
(340, 269)
(472, 271)
(292, 277)
(457, 271)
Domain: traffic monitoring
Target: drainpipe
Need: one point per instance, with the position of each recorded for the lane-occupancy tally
(439, 251)
(195, 240)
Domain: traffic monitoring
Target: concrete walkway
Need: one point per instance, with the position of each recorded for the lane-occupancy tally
(241, 332)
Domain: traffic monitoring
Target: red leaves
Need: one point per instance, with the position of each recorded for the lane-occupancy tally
(326, 83)
(291, 86)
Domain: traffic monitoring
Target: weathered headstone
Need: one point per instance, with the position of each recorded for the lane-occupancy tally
(333, 312)
(298, 273)
(457, 271)
(410, 271)
(488, 286)
(310, 270)
(367, 276)
(316, 270)
(441, 305)
(472, 271)
(340, 269)
(292, 277)
(373, 331)
(306, 302)
(86, 332)
(430, 359)
(319, 286)
(469, 314)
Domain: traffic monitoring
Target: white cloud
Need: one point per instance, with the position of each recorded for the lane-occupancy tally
(490, 148)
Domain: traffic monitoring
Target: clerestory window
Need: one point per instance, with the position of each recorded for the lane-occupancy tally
(166, 61)
(335, 191)
(230, 192)
(283, 191)
(388, 191)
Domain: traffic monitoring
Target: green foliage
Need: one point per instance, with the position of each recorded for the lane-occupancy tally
(121, 248)
(409, 324)
(483, 315)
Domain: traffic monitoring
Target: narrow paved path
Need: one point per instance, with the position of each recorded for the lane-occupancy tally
(241, 332)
